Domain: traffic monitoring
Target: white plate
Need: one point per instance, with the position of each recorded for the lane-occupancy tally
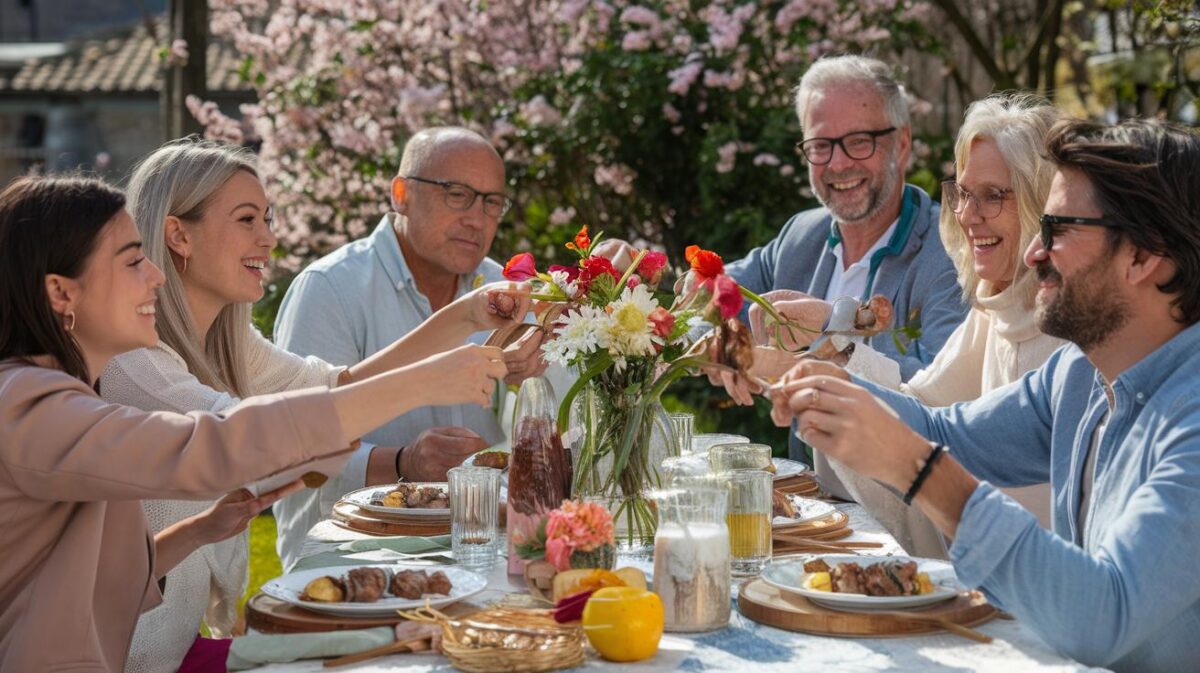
(786, 468)
(363, 497)
(807, 509)
(289, 587)
(789, 576)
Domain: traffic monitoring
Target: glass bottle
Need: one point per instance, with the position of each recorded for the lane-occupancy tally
(539, 477)
(691, 556)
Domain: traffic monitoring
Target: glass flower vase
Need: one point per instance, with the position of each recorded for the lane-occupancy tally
(619, 437)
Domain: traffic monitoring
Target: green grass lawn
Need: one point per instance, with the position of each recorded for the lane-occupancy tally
(264, 562)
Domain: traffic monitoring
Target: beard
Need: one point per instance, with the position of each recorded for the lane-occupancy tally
(880, 190)
(1086, 311)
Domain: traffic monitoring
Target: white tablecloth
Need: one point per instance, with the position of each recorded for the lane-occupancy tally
(746, 645)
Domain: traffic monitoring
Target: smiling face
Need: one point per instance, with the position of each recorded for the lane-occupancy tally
(114, 312)
(855, 190)
(230, 245)
(994, 240)
(1079, 292)
(433, 235)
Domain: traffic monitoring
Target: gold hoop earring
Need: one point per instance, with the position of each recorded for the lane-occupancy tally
(70, 325)
(184, 269)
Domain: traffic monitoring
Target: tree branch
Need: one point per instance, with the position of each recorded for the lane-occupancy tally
(1003, 79)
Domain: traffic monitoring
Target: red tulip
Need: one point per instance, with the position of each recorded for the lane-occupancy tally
(520, 267)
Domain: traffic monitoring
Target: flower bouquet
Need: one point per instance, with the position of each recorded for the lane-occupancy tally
(576, 535)
(628, 340)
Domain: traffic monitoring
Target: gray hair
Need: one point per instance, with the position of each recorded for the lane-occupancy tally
(843, 71)
(179, 179)
(1018, 123)
(420, 149)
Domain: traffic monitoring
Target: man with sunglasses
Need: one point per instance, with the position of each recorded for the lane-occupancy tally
(1112, 421)
(873, 235)
(447, 201)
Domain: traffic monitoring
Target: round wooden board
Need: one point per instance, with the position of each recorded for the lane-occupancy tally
(766, 604)
(271, 615)
(355, 518)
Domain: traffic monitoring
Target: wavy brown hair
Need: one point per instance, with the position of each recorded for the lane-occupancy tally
(47, 225)
(1145, 175)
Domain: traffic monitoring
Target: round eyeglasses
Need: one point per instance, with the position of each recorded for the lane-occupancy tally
(988, 205)
(461, 197)
(858, 146)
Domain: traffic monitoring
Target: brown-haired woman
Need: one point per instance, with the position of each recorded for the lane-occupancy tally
(75, 290)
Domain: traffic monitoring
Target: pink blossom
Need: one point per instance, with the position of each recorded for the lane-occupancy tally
(538, 112)
(638, 40)
(561, 216)
(558, 553)
(727, 298)
(662, 320)
(684, 76)
(618, 177)
(671, 113)
(766, 159)
(787, 170)
(727, 155)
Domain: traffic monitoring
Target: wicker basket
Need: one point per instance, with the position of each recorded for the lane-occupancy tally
(506, 640)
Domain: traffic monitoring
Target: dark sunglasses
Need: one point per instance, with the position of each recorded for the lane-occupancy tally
(1052, 224)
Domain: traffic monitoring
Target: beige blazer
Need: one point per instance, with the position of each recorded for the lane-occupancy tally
(73, 471)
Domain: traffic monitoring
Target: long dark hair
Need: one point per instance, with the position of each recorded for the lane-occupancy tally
(47, 225)
(1146, 177)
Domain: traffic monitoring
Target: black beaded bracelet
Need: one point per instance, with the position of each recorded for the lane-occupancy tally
(934, 453)
(400, 452)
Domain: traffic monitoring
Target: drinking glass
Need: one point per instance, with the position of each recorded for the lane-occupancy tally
(474, 503)
(749, 519)
(691, 557)
(680, 467)
(684, 424)
(725, 457)
(703, 441)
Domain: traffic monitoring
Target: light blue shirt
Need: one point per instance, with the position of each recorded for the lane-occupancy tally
(1129, 598)
(347, 306)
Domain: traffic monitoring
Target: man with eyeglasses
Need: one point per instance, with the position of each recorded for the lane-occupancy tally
(1112, 420)
(447, 201)
(873, 235)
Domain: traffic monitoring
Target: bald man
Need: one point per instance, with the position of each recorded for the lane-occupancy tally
(447, 201)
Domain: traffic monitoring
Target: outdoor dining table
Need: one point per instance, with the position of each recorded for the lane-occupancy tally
(744, 645)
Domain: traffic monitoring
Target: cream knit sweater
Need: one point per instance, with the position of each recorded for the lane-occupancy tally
(208, 583)
(997, 344)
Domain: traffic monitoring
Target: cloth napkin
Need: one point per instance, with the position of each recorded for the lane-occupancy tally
(256, 649)
(404, 544)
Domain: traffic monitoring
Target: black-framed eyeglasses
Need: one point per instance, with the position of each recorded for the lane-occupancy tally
(988, 205)
(1052, 226)
(461, 197)
(858, 146)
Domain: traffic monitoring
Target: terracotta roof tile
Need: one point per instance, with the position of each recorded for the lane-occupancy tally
(120, 62)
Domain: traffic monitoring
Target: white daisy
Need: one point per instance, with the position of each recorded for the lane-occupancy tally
(583, 331)
(630, 331)
(564, 283)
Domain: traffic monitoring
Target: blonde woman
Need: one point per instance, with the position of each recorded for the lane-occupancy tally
(204, 219)
(989, 216)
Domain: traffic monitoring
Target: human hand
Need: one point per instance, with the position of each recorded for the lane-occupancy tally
(462, 375)
(231, 514)
(523, 357)
(497, 305)
(852, 426)
(619, 252)
(810, 312)
(437, 450)
(781, 413)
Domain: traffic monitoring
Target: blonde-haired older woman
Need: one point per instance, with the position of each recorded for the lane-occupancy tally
(989, 216)
(204, 219)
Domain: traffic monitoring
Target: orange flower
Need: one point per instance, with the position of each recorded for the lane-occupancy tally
(582, 241)
(706, 263)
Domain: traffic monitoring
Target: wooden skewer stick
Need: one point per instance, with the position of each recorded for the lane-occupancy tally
(391, 648)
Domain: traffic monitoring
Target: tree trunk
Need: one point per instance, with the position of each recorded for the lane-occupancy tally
(187, 21)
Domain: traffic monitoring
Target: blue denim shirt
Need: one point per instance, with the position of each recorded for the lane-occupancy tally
(1129, 597)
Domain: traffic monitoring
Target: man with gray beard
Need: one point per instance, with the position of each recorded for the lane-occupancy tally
(1112, 420)
(875, 235)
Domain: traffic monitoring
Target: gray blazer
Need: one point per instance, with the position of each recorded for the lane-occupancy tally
(919, 281)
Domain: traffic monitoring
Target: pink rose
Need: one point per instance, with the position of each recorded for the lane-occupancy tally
(727, 298)
(651, 267)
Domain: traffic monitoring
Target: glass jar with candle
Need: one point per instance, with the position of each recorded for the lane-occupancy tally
(691, 556)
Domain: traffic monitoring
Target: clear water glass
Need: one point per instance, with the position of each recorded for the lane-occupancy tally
(681, 467)
(474, 504)
(725, 457)
(684, 425)
(749, 519)
(702, 442)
